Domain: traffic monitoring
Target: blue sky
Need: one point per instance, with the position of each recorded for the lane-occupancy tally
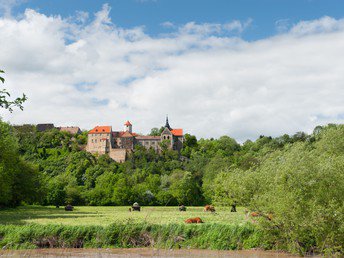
(239, 68)
(265, 14)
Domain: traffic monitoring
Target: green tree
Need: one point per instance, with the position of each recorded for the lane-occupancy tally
(10, 104)
(183, 187)
(19, 180)
(156, 131)
(57, 194)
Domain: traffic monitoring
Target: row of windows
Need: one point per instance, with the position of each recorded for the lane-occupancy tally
(147, 142)
(95, 140)
(166, 137)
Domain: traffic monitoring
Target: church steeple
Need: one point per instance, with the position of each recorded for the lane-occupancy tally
(167, 124)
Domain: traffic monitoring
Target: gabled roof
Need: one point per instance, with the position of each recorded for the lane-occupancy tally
(126, 135)
(44, 127)
(127, 123)
(101, 129)
(117, 134)
(177, 132)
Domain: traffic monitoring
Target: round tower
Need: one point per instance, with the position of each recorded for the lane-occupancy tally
(128, 127)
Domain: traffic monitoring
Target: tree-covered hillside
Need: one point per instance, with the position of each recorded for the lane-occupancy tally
(295, 184)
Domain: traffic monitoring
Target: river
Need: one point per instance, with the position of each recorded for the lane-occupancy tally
(142, 252)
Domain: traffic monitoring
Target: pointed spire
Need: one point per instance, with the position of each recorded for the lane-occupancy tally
(167, 124)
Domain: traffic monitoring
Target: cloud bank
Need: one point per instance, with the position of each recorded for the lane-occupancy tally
(85, 70)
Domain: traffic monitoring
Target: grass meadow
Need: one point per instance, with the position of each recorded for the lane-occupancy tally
(106, 215)
(30, 227)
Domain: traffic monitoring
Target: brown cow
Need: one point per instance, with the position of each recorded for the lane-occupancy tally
(210, 208)
(254, 214)
(269, 216)
(194, 220)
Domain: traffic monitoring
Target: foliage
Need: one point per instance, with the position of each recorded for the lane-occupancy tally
(156, 131)
(9, 104)
(127, 235)
(301, 187)
(19, 180)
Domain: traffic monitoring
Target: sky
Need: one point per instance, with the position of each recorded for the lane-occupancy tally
(239, 68)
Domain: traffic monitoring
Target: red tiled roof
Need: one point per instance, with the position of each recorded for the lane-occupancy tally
(101, 129)
(177, 132)
(119, 134)
(127, 123)
(126, 135)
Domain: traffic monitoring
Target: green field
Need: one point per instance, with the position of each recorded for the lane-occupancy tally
(98, 227)
(106, 215)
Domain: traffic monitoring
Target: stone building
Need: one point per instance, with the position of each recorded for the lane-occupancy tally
(117, 144)
(70, 129)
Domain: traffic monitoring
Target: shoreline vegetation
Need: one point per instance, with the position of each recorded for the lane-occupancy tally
(102, 227)
(167, 236)
(30, 227)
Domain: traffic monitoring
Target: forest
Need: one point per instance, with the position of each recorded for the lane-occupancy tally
(297, 179)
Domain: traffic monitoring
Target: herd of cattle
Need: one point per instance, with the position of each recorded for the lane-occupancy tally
(207, 208)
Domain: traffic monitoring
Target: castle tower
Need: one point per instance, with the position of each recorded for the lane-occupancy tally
(128, 127)
(167, 124)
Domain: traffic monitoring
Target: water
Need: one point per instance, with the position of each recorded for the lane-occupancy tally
(142, 252)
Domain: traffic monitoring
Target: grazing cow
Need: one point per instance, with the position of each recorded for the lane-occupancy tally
(256, 214)
(136, 207)
(69, 207)
(209, 208)
(194, 220)
(182, 208)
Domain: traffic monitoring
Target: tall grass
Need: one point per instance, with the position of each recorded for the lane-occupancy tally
(205, 236)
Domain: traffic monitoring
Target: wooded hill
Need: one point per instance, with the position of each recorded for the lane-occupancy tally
(298, 179)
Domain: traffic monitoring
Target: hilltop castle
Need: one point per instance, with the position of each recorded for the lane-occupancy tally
(117, 144)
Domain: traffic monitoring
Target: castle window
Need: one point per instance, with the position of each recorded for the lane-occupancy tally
(95, 140)
(168, 137)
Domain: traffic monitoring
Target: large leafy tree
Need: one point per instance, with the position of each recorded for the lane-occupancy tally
(10, 104)
(19, 180)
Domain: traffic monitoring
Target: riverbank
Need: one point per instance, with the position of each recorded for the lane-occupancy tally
(130, 235)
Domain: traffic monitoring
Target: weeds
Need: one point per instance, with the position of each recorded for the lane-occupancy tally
(211, 236)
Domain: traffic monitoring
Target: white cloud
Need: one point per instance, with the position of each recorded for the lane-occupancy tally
(94, 73)
(168, 24)
(214, 28)
(323, 25)
(282, 25)
(7, 5)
